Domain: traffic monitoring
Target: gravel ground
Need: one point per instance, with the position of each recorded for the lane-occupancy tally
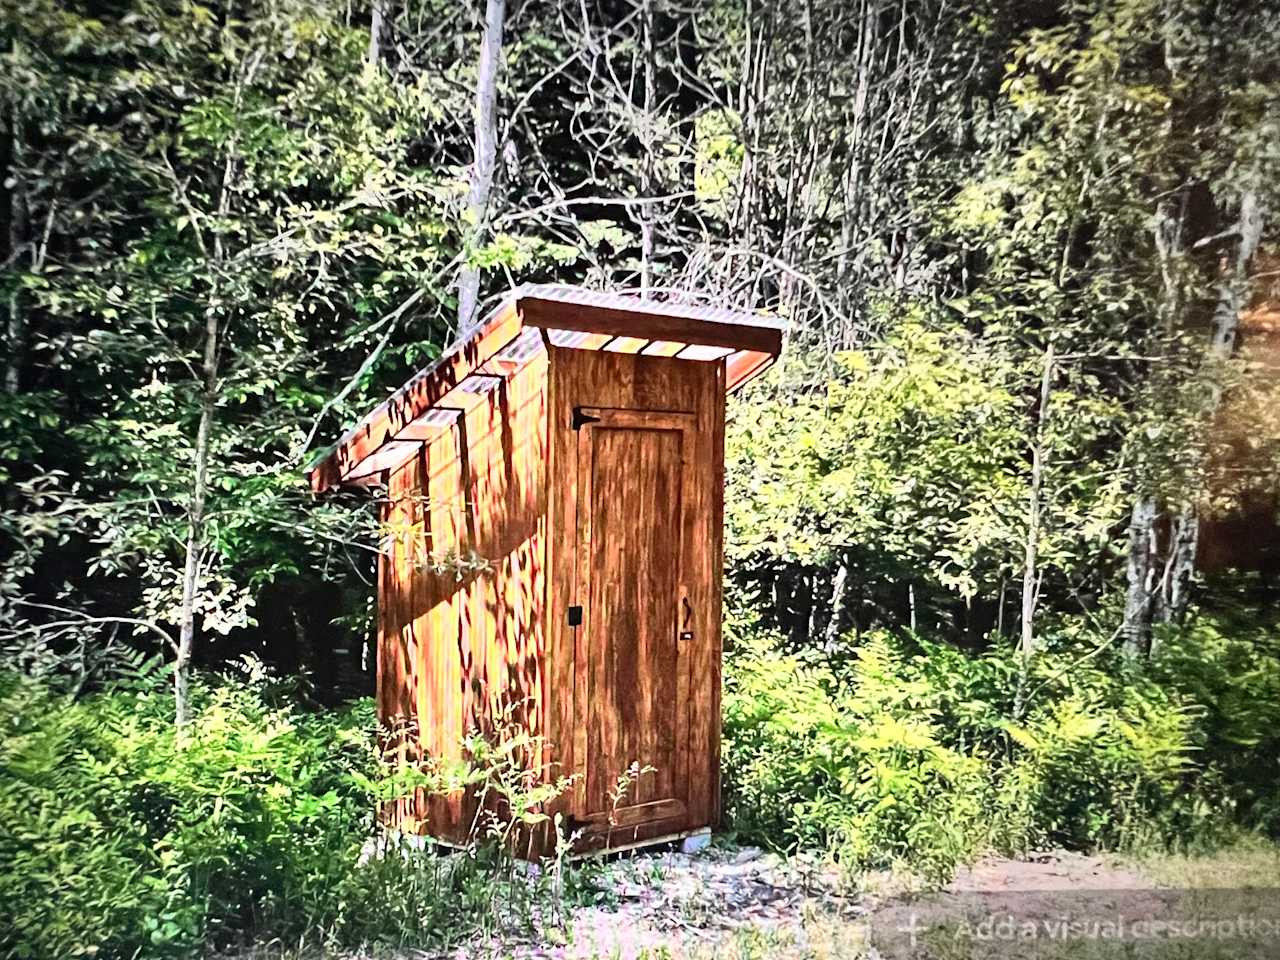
(746, 904)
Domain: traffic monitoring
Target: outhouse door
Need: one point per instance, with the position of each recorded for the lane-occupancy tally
(635, 520)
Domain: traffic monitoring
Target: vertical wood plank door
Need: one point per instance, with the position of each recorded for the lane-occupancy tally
(633, 644)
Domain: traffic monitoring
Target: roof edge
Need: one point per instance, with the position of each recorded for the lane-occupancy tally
(542, 306)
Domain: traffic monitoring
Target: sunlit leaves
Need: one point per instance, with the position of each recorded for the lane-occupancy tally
(243, 168)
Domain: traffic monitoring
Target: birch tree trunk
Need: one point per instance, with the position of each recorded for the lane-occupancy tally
(1031, 557)
(1136, 628)
(376, 26)
(839, 589)
(486, 145)
(1232, 297)
(1141, 560)
(1175, 585)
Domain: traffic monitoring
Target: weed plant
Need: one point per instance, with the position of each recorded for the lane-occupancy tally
(899, 752)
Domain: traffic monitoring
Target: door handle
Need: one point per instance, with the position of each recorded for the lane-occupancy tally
(687, 609)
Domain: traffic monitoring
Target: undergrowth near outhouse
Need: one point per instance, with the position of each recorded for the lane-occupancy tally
(904, 752)
(123, 838)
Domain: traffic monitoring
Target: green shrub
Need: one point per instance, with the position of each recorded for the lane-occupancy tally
(1104, 766)
(116, 836)
(854, 763)
(1229, 666)
(81, 836)
(119, 839)
(909, 796)
(775, 708)
(908, 752)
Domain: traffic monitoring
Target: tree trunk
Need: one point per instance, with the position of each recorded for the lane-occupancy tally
(1136, 628)
(647, 144)
(376, 26)
(1233, 295)
(304, 651)
(1000, 606)
(813, 622)
(1031, 557)
(486, 145)
(15, 235)
(195, 521)
(1171, 598)
(1233, 291)
(215, 256)
(839, 590)
(1140, 604)
(690, 101)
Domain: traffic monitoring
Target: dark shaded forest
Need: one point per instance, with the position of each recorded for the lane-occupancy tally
(1003, 525)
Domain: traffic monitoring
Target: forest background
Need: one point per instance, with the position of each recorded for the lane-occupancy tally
(1003, 527)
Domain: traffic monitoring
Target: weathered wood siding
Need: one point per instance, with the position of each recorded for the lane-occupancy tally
(461, 649)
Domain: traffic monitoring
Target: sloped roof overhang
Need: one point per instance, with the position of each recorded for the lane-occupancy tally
(518, 330)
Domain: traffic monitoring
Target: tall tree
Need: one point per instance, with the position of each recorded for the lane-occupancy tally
(484, 155)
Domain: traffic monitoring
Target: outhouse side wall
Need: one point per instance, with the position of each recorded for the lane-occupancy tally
(462, 584)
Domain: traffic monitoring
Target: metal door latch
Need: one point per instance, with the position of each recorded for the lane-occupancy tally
(685, 632)
(581, 419)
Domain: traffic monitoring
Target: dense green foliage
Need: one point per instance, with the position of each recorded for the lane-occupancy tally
(118, 835)
(907, 753)
(1226, 665)
(908, 472)
(1014, 243)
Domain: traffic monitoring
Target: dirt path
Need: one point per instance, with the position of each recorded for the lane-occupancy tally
(734, 905)
(750, 905)
(747, 903)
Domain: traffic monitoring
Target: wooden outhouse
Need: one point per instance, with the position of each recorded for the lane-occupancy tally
(552, 559)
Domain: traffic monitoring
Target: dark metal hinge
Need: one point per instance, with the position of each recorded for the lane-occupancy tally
(580, 418)
(575, 616)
